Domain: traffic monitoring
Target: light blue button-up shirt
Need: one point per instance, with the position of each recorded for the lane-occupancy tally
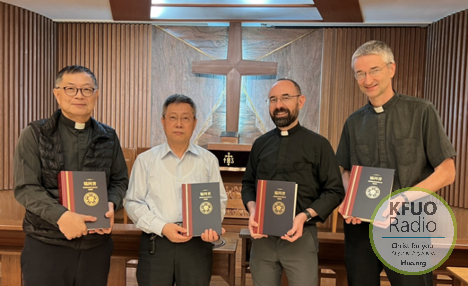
(154, 196)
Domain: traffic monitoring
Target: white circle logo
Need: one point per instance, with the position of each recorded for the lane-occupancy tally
(414, 237)
(373, 192)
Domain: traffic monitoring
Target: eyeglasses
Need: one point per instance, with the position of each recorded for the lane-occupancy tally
(373, 72)
(284, 99)
(72, 91)
(174, 119)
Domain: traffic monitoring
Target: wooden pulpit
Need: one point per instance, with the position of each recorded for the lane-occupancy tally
(232, 159)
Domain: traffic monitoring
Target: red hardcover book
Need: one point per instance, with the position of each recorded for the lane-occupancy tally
(85, 193)
(275, 207)
(366, 188)
(201, 208)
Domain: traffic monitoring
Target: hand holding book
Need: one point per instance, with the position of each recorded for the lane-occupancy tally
(110, 216)
(72, 225)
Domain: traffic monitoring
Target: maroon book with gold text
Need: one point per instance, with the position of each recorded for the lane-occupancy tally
(275, 207)
(201, 208)
(85, 193)
(366, 188)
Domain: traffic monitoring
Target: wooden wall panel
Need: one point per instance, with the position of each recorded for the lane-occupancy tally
(447, 87)
(340, 93)
(120, 57)
(27, 68)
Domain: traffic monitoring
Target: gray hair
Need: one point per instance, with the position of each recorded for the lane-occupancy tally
(179, 98)
(374, 48)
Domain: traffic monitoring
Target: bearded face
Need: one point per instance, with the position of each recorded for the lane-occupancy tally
(283, 117)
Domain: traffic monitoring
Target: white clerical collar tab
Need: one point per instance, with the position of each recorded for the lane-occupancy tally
(379, 109)
(80, 125)
(284, 133)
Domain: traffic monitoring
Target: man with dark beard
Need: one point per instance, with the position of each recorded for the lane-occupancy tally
(293, 153)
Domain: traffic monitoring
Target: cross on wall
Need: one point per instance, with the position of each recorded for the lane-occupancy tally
(234, 67)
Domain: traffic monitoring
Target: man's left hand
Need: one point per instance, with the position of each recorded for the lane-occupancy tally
(110, 216)
(296, 231)
(210, 235)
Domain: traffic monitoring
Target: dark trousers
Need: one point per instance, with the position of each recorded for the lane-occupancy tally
(270, 255)
(187, 264)
(46, 264)
(364, 267)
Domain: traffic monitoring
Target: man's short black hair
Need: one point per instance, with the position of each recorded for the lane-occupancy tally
(75, 69)
(179, 98)
(296, 85)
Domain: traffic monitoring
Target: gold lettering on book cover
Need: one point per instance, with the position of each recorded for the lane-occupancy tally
(91, 199)
(279, 208)
(373, 191)
(206, 208)
(90, 184)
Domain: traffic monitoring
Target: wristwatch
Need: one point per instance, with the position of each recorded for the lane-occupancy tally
(307, 213)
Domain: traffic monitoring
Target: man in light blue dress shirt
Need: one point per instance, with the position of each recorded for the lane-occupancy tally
(154, 202)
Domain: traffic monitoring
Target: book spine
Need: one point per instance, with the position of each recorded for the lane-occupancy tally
(187, 208)
(295, 199)
(260, 207)
(67, 190)
(352, 189)
(60, 188)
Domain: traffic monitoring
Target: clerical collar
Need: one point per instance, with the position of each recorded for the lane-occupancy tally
(389, 104)
(291, 131)
(74, 125)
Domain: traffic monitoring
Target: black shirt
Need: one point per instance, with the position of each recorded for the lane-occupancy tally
(29, 190)
(405, 134)
(302, 156)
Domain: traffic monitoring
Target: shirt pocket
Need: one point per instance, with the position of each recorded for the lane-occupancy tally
(405, 151)
(266, 169)
(301, 173)
(362, 156)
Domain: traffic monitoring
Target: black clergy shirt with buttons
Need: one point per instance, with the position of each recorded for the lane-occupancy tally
(302, 156)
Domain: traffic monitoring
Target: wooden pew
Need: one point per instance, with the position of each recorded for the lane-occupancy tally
(126, 245)
(460, 274)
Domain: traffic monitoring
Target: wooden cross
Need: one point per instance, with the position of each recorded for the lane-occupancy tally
(234, 67)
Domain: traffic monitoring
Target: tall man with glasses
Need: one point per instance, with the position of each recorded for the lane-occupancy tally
(58, 249)
(393, 131)
(154, 202)
(291, 152)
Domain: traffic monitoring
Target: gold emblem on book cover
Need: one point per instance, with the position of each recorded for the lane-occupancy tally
(279, 208)
(372, 192)
(91, 199)
(206, 208)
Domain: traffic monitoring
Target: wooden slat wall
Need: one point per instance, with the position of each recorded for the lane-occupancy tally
(27, 68)
(120, 57)
(340, 92)
(447, 87)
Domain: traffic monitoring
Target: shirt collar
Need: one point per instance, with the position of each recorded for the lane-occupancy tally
(288, 132)
(167, 150)
(73, 125)
(388, 105)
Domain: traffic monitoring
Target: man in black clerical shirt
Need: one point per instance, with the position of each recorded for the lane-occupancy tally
(392, 131)
(58, 249)
(293, 153)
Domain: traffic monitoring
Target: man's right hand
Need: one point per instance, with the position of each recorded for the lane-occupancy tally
(252, 224)
(353, 220)
(175, 233)
(72, 225)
